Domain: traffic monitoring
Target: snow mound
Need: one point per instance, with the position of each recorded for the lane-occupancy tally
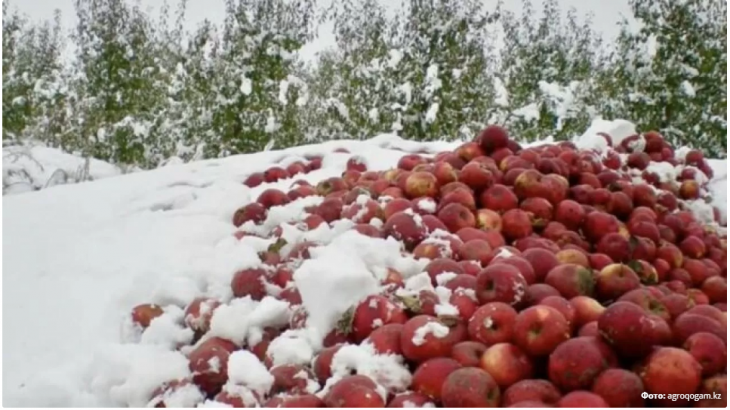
(33, 167)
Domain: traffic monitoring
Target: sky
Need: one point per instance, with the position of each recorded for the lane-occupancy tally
(607, 13)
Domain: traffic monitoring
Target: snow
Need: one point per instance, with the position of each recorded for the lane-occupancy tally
(291, 347)
(388, 371)
(434, 328)
(245, 369)
(79, 257)
(33, 167)
(617, 130)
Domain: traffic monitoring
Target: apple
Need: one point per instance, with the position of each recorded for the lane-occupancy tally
(456, 216)
(406, 227)
(431, 375)
(501, 282)
(208, 363)
(425, 337)
(615, 280)
(538, 330)
(249, 282)
(372, 312)
(272, 197)
(575, 364)
(507, 364)
(468, 353)
(498, 198)
(669, 370)
(492, 323)
(470, 387)
(622, 323)
(582, 399)
(354, 391)
(492, 138)
(571, 280)
(488, 219)
(199, 313)
(516, 224)
(143, 315)
(709, 351)
(542, 261)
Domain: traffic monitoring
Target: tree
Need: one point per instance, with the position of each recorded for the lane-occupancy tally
(671, 74)
(547, 67)
(33, 91)
(444, 70)
(119, 84)
(260, 39)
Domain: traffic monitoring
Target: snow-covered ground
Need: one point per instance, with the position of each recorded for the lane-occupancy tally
(34, 167)
(77, 259)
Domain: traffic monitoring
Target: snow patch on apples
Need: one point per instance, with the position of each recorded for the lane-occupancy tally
(246, 369)
(434, 328)
(388, 371)
(618, 130)
(292, 347)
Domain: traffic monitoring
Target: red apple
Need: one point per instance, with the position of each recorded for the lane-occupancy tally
(431, 375)
(492, 323)
(507, 364)
(538, 330)
(470, 387)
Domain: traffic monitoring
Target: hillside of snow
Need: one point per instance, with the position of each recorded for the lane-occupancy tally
(33, 167)
(77, 258)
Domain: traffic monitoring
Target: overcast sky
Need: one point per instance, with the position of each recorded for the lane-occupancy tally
(607, 13)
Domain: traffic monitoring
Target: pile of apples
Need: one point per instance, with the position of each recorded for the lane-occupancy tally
(581, 279)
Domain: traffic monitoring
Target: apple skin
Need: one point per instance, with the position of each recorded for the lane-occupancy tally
(669, 370)
(531, 390)
(582, 398)
(575, 364)
(354, 391)
(538, 330)
(470, 387)
(492, 323)
(507, 364)
(501, 282)
(709, 351)
(623, 322)
(431, 375)
(468, 353)
(619, 388)
(210, 378)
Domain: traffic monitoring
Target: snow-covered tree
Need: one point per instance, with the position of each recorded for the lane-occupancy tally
(671, 73)
(119, 83)
(33, 91)
(547, 68)
(446, 88)
(260, 40)
(350, 87)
